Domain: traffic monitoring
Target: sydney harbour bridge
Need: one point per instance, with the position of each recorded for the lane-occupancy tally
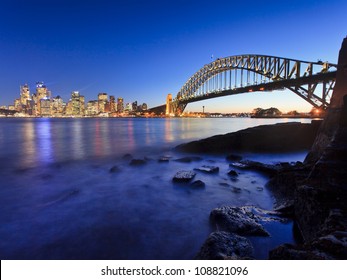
(312, 81)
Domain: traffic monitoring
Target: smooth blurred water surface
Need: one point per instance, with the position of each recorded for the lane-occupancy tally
(58, 199)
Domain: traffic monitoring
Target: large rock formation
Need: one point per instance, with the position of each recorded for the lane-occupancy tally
(330, 124)
(320, 206)
(263, 138)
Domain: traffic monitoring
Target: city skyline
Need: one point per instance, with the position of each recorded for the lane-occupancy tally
(144, 50)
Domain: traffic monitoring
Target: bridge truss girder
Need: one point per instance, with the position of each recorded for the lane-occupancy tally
(244, 73)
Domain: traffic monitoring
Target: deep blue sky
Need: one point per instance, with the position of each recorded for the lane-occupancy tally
(142, 50)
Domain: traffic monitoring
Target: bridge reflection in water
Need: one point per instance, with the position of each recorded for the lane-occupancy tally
(312, 81)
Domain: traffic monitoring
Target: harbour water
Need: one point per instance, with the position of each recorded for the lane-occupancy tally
(59, 200)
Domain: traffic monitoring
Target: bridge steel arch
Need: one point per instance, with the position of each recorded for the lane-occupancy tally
(312, 81)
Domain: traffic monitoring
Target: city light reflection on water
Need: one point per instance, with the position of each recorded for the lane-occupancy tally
(41, 141)
(59, 200)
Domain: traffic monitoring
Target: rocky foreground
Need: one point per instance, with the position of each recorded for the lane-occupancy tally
(313, 193)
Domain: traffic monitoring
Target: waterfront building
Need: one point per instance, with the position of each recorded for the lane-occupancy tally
(134, 107)
(45, 107)
(42, 93)
(92, 108)
(77, 104)
(103, 102)
(58, 106)
(120, 105)
(24, 96)
(128, 107)
(17, 105)
(144, 107)
(113, 105)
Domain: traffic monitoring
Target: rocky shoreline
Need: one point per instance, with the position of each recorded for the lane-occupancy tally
(281, 137)
(294, 198)
(313, 193)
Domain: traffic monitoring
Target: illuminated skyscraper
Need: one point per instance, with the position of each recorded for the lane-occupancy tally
(120, 105)
(42, 93)
(113, 105)
(92, 108)
(24, 95)
(77, 104)
(102, 102)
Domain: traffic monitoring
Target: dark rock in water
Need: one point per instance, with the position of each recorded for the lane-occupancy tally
(236, 189)
(136, 162)
(208, 169)
(184, 176)
(224, 184)
(127, 157)
(223, 245)
(114, 169)
(233, 173)
(188, 159)
(268, 169)
(284, 184)
(259, 189)
(198, 184)
(282, 137)
(233, 157)
(164, 159)
(240, 220)
(334, 244)
(286, 209)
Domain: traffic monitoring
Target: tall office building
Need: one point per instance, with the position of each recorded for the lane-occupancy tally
(24, 95)
(77, 104)
(120, 105)
(103, 102)
(42, 93)
(57, 106)
(92, 108)
(113, 105)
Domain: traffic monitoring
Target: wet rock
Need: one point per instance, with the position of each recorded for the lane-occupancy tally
(293, 252)
(268, 169)
(286, 208)
(197, 184)
(224, 184)
(184, 176)
(240, 220)
(188, 159)
(164, 159)
(233, 173)
(137, 162)
(208, 169)
(223, 245)
(233, 157)
(127, 157)
(334, 244)
(259, 189)
(236, 189)
(282, 137)
(114, 169)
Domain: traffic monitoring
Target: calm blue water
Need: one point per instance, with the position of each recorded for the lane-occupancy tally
(58, 199)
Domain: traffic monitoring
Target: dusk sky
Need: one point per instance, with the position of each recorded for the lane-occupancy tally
(143, 50)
